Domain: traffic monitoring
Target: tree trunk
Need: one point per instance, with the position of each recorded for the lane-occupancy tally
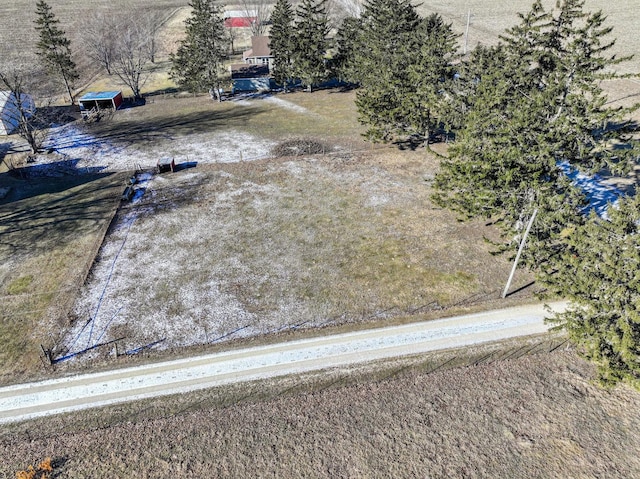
(67, 86)
(69, 91)
(27, 134)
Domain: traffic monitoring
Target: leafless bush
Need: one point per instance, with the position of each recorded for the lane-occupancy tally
(261, 10)
(299, 147)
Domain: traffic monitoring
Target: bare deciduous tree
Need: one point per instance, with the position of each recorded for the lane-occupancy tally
(131, 54)
(150, 24)
(23, 112)
(123, 45)
(339, 10)
(261, 10)
(232, 33)
(99, 38)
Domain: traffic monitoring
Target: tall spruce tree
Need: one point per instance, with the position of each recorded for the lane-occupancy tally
(347, 44)
(386, 42)
(600, 275)
(310, 42)
(54, 47)
(197, 65)
(537, 102)
(429, 76)
(402, 64)
(281, 42)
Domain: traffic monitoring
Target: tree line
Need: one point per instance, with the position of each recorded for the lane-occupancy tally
(517, 112)
(521, 109)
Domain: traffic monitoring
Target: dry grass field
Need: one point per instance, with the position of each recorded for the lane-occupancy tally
(50, 230)
(18, 35)
(488, 19)
(245, 244)
(491, 18)
(258, 247)
(537, 416)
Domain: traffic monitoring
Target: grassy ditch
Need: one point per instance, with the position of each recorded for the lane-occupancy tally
(51, 229)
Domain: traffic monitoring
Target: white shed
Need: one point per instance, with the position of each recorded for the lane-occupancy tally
(10, 110)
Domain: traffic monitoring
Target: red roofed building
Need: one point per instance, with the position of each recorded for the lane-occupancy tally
(239, 18)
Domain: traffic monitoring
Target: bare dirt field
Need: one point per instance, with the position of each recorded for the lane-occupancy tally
(19, 37)
(488, 19)
(537, 416)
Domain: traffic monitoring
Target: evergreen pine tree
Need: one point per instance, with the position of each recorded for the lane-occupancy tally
(54, 47)
(197, 65)
(429, 77)
(600, 275)
(347, 44)
(402, 64)
(281, 42)
(537, 102)
(387, 40)
(310, 42)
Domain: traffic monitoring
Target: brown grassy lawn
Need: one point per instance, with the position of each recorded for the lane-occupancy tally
(273, 244)
(49, 229)
(264, 245)
(537, 416)
(330, 114)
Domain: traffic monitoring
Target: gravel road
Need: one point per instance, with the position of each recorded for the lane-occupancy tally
(25, 401)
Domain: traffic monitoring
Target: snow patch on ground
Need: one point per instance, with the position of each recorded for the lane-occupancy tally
(119, 299)
(77, 146)
(598, 193)
(288, 105)
(109, 305)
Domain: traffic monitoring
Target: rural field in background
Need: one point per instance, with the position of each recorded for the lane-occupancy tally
(488, 19)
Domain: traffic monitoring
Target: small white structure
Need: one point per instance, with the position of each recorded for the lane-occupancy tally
(10, 110)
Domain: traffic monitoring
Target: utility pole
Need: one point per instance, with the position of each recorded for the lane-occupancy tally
(515, 263)
(466, 32)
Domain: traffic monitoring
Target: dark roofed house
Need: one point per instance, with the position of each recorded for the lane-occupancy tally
(260, 53)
